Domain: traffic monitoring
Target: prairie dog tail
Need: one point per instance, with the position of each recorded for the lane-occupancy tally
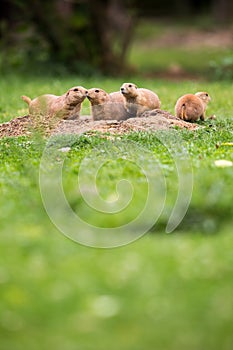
(26, 99)
(183, 108)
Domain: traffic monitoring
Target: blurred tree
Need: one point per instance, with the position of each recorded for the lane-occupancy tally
(76, 33)
(113, 28)
(84, 34)
(223, 11)
(171, 9)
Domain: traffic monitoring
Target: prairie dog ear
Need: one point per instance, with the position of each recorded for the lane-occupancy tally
(135, 86)
(68, 92)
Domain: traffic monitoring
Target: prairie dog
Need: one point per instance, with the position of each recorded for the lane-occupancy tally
(139, 100)
(62, 107)
(106, 106)
(192, 107)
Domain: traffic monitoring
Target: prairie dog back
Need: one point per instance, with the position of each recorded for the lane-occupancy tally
(64, 106)
(191, 107)
(149, 98)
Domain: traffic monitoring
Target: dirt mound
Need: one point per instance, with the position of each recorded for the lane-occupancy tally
(150, 121)
(15, 127)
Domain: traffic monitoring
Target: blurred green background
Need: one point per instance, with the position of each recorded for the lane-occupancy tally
(164, 291)
(185, 38)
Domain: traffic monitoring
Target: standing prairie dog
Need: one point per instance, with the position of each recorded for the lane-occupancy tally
(192, 107)
(106, 106)
(139, 100)
(62, 107)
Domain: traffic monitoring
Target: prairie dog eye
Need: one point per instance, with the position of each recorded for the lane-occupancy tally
(130, 85)
(97, 90)
(207, 95)
(75, 89)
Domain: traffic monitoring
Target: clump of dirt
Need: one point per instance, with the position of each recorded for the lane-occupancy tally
(16, 127)
(150, 121)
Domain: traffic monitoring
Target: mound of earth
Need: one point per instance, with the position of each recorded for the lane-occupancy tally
(150, 121)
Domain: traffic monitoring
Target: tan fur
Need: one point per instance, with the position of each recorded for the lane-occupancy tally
(62, 107)
(106, 106)
(116, 97)
(192, 107)
(26, 99)
(138, 100)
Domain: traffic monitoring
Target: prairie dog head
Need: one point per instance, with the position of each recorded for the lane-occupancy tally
(129, 90)
(97, 96)
(75, 95)
(204, 96)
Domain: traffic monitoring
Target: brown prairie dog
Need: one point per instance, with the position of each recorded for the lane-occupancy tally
(62, 107)
(192, 107)
(106, 106)
(139, 100)
(116, 97)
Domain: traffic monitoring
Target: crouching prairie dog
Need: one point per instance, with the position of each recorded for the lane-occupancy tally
(138, 100)
(192, 107)
(62, 107)
(106, 106)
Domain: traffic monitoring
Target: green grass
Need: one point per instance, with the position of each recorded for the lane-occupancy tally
(154, 60)
(12, 87)
(164, 291)
(151, 55)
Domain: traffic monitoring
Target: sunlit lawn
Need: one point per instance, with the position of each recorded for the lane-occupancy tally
(150, 54)
(202, 63)
(164, 291)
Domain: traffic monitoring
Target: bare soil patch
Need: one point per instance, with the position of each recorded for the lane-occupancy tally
(191, 38)
(151, 121)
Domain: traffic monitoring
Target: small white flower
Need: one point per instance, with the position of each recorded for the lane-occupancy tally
(222, 163)
(64, 149)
